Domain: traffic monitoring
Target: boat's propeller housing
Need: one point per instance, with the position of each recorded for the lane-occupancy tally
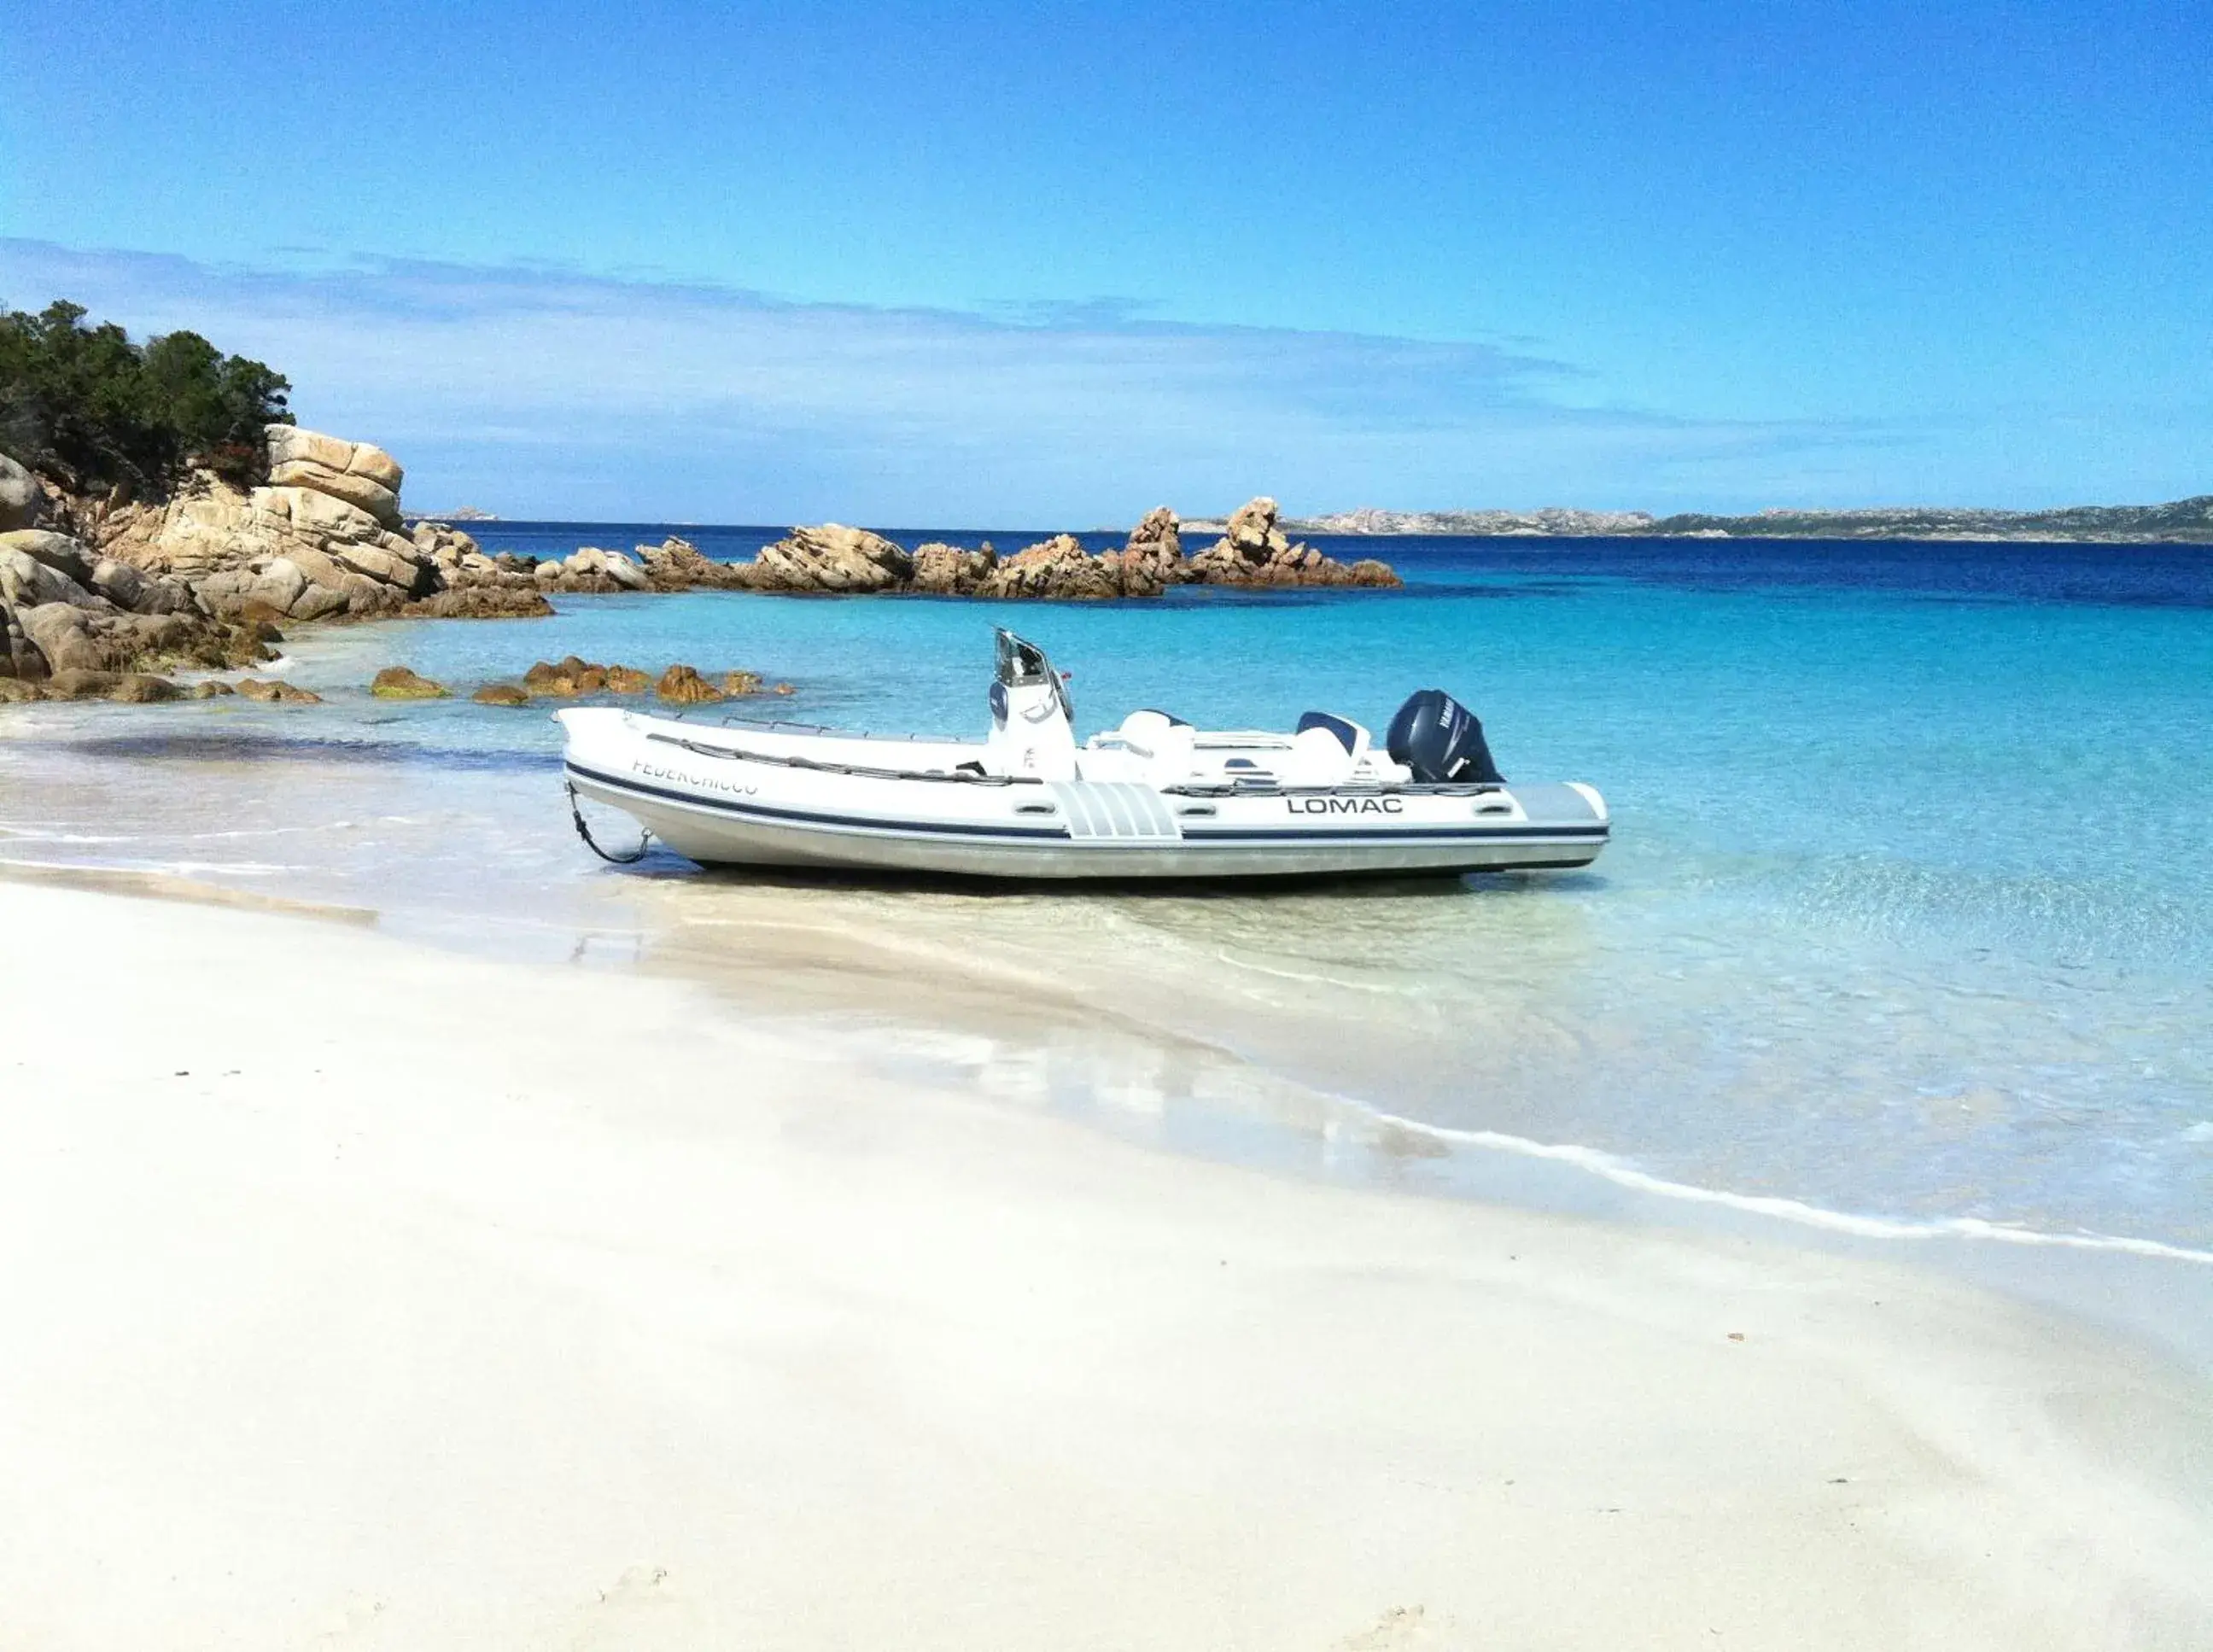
(1440, 741)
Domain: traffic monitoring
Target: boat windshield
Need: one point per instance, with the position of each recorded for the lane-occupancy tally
(1022, 664)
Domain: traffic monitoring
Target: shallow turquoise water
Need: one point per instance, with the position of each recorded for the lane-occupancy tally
(1907, 911)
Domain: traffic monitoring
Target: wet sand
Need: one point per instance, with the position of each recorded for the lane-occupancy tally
(372, 1292)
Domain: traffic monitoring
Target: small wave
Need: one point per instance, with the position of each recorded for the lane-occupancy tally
(169, 869)
(1313, 978)
(1620, 1171)
(34, 835)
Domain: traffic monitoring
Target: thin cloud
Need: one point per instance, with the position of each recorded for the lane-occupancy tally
(535, 389)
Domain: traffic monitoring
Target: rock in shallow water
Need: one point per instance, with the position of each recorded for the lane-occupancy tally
(684, 686)
(274, 690)
(78, 683)
(141, 688)
(501, 694)
(547, 678)
(399, 683)
(567, 678)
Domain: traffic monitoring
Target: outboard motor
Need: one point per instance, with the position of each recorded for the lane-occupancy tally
(1441, 740)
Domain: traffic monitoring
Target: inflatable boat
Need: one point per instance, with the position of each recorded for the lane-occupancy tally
(1152, 798)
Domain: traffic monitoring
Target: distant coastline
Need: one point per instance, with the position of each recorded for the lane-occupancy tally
(2182, 520)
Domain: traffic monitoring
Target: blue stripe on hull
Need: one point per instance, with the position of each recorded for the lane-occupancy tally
(1400, 835)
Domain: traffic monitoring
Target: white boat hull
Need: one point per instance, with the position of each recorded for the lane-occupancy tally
(734, 796)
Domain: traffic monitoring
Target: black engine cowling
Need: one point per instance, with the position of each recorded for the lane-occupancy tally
(1441, 740)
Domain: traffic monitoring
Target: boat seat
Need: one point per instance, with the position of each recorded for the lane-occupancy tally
(1162, 740)
(1341, 728)
(1319, 756)
(1347, 733)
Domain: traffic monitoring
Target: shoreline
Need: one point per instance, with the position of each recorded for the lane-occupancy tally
(1166, 1088)
(772, 1346)
(1137, 986)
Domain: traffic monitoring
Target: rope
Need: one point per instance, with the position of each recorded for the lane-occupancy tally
(968, 773)
(576, 813)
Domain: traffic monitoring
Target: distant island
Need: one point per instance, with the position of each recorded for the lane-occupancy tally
(465, 514)
(2187, 520)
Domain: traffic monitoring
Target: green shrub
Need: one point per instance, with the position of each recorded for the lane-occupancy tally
(92, 408)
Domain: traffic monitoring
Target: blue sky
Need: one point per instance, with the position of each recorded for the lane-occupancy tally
(1051, 265)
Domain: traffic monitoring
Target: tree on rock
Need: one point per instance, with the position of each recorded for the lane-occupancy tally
(92, 408)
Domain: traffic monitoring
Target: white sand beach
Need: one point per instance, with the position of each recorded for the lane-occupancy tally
(359, 1294)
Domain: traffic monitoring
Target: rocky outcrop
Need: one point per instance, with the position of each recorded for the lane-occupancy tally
(471, 585)
(205, 575)
(52, 622)
(591, 570)
(943, 570)
(482, 602)
(308, 548)
(832, 558)
(1153, 559)
(65, 556)
(1255, 551)
(20, 498)
(1057, 569)
(363, 476)
(63, 609)
(64, 635)
(75, 683)
(201, 575)
(127, 587)
(73, 630)
(20, 659)
(676, 564)
(449, 547)
(501, 694)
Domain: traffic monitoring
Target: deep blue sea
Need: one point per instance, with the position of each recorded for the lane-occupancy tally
(1908, 915)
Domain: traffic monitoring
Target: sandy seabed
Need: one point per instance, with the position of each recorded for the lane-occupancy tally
(361, 1295)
